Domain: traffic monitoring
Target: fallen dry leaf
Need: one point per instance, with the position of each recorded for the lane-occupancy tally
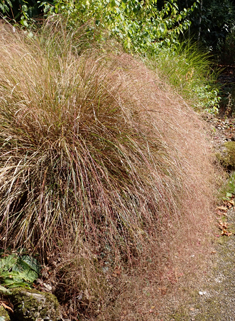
(223, 225)
(163, 290)
(222, 208)
(117, 272)
(226, 233)
(231, 202)
(221, 213)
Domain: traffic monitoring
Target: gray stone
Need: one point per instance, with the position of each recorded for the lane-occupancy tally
(32, 305)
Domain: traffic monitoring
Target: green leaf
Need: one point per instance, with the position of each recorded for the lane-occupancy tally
(229, 195)
(30, 262)
(8, 262)
(28, 275)
(19, 284)
(4, 290)
(8, 274)
(162, 28)
(18, 271)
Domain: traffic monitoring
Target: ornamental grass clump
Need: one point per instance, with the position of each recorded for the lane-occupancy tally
(101, 167)
(75, 154)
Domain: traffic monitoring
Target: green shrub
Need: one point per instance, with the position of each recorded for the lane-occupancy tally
(21, 11)
(138, 25)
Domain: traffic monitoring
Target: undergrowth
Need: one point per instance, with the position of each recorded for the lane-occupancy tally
(192, 74)
(228, 189)
(17, 271)
(102, 168)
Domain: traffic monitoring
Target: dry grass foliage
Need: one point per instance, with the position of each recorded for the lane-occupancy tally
(101, 167)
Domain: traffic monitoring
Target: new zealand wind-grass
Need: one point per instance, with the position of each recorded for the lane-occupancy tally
(74, 151)
(100, 163)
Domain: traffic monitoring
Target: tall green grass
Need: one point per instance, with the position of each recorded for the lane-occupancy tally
(192, 73)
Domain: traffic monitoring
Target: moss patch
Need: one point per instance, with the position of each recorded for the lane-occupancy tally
(4, 316)
(228, 158)
(32, 304)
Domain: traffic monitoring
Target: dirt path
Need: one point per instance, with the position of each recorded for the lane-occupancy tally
(215, 300)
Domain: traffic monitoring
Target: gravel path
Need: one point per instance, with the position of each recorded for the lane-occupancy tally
(216, 300)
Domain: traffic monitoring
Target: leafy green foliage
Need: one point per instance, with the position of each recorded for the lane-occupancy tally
(138, 25)
(217, 20)
(5, 6)
(22, 11)
(18, 270)
(212, 22)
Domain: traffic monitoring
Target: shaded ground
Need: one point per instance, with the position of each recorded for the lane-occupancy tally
(227, 82)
